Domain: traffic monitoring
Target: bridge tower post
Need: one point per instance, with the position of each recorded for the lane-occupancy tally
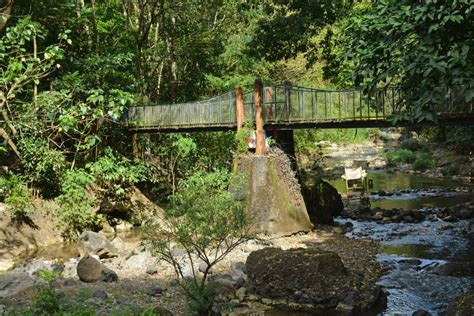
(260, 148)
(239, 107)
(134, 146)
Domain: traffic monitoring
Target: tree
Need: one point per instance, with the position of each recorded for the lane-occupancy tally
(22, 65)
(424, 47)
(207, 222)
(285, 28)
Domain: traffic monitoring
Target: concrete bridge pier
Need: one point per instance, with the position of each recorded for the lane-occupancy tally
(286, 141)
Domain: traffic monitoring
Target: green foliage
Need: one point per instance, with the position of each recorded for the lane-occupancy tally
(75, 212)
(42, 166)
(46, 301)
(421, 46)
(398, 156)
(16, 195)
(48, 275)
(423, 162)
(207, 222)
(200, 298)
(463, 135)
(451, 170)
(114, 172)
(433, 134)
(280, 35)
(413, 145)
(241, 138)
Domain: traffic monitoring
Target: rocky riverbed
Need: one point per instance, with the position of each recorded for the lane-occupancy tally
(141, 282)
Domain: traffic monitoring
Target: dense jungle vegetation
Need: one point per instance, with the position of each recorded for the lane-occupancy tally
(70, 68)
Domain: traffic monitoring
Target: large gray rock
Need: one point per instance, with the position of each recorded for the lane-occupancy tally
(91, 270)
(70, 269)
(138, 261)
(32, 267)
(308, 279)
(322, 200)
(14, 282)
(95, 244)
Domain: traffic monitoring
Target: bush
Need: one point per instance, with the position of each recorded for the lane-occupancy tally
(207, 222)
(46, 301)
(241, 138)
(115, 172)
(49, 275)
(413, 145)
(16, 195)
(423, 162)
(398, 156)
(450, 170)
(75, 204)
(43, 167)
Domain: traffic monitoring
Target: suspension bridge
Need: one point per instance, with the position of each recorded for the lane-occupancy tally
(288, 107)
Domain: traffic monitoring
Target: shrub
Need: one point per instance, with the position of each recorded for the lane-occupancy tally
(450, 170)
(42, 166)
(46, 301)
(423, 162)
(16, 196)
(207, 222)
(75, 204)
(398, 156)
(115, 172)
(241, 138)
(413, 145)
(48, 275)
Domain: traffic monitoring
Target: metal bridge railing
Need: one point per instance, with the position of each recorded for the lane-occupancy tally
(286, 105)
(217, 111)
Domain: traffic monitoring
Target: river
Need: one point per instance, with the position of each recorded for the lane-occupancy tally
(410, 252)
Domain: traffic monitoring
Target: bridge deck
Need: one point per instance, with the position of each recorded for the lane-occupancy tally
(288, 107)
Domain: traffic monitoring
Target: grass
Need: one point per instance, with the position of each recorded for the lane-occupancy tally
(399, 156)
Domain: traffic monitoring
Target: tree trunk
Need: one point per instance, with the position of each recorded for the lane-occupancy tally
(5, 13)
(10, 142)
(94, 28)
(174, 77)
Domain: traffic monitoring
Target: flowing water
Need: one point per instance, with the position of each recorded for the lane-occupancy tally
(409, 252)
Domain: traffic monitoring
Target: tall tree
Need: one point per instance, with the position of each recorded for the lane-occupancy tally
(425, 47)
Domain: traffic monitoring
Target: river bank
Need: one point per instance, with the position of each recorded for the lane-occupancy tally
(143, 284)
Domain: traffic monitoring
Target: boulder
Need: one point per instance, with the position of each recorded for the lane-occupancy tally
(33, 266)
(455, 269)
(95, 244)
(138, 261)
(108, 275)
(14, 282)
(132, 206)
(308, 279)
(70, 268)
(6, 264)
(151, 269)
(90, 269)
(322, 200)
